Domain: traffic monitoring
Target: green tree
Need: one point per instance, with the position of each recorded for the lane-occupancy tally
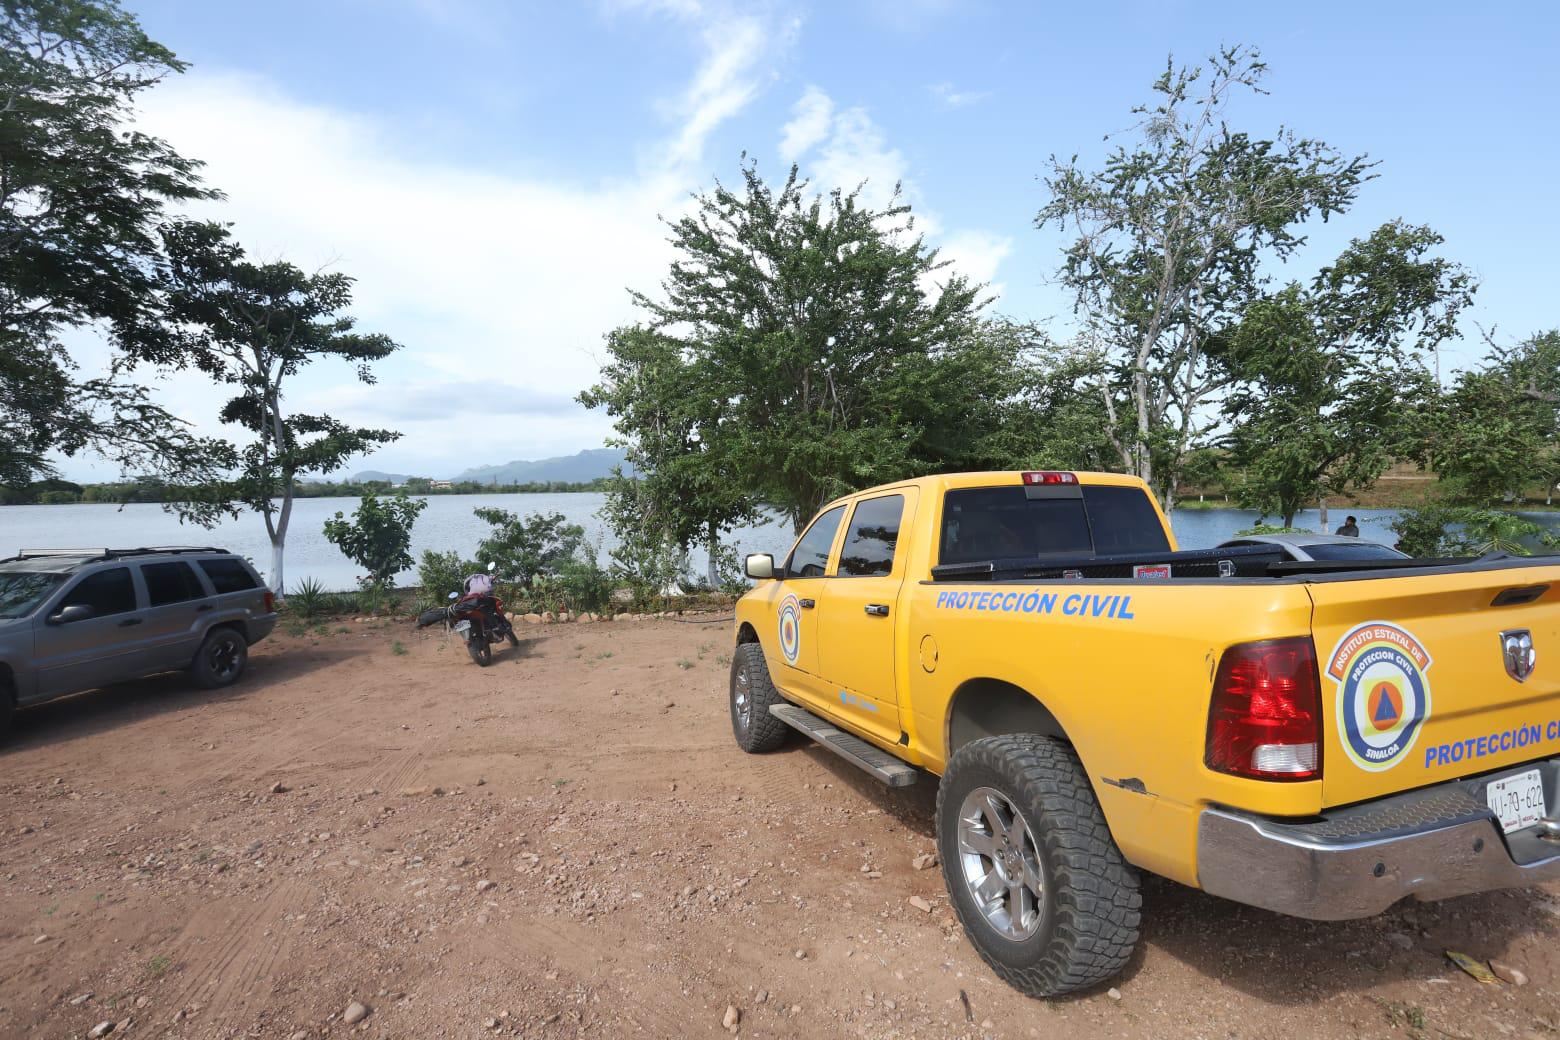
(81, 197)
(525, 548)
(378, 538)
(1328, 381)
(684, 486)
(1497, 431)
(253, 327)
(814, 341)
(1167, 243)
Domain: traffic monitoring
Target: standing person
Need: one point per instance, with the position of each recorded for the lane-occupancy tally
(1349, 528)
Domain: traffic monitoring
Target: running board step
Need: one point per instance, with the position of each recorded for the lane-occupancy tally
(883, 766)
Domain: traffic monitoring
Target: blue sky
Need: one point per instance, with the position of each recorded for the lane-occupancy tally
(492, 172)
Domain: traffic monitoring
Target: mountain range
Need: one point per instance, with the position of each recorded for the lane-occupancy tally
(591, 464)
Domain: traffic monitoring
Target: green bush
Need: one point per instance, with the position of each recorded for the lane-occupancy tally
(583, 583)
(378, 538)
(307, 599)
(441, 573)
(524, 548)
(1271, 529)
(1440, 530)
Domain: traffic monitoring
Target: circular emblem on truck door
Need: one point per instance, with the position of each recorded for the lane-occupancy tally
(1383, 693)
(790, 628)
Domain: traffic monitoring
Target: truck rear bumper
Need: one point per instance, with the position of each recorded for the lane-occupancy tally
(1431, 844)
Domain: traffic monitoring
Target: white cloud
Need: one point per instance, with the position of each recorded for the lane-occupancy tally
(811, 118)
(500, 287)
(951, 97)
(846, 149)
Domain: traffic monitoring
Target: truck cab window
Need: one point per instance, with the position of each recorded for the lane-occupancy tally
(810, 558)
(874, 533)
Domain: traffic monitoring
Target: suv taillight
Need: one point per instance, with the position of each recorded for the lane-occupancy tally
(270, 601)
(1265, 718)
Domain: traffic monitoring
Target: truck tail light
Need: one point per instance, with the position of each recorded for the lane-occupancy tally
(1264, 721)
(1036, 479)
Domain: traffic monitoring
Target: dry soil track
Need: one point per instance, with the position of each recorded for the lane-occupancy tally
(568, 844)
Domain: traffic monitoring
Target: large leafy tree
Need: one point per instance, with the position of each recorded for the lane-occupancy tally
(1168, 238)
(1328, 381)
(803, 345)
(1496, 433)
(683, 489)
(81, 198)
(253, 327)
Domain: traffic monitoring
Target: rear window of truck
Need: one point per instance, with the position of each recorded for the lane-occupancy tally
(1005, 523)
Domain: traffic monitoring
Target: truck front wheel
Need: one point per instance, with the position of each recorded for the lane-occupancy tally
(752, 693)
(1035, 877)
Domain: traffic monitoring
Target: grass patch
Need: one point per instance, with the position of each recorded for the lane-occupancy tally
(158, 965)
(397, 649)
(684, 663)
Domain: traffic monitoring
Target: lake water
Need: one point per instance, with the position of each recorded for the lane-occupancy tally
(448, 523)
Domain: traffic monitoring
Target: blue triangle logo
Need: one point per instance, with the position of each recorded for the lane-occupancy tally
(1385, 712)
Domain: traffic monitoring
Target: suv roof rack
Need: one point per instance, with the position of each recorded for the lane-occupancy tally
(97, 555)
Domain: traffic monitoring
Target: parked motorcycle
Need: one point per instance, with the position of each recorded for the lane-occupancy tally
(477, 616)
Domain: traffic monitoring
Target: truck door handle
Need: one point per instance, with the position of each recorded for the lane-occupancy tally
(127, 622)
(808, 604)
(877, 609)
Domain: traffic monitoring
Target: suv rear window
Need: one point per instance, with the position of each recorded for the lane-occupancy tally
(170, 583)
(228, 575)
(1005, 523)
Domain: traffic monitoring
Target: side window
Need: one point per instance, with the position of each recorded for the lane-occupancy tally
(228, 575)
(106, 592)
(170, 583)
(811, 555)
(874, 532)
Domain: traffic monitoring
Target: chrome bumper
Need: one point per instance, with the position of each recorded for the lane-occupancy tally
(1434, 849)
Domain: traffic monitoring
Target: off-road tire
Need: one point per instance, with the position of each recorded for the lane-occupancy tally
(7, 706)
(480, 649)
(1089, 922)
(208, 669)
(762, 731)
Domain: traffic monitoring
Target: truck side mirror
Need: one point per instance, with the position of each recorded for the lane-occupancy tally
(760, 566)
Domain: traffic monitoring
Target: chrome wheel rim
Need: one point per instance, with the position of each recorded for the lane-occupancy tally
(1000, 864)
(741, 701)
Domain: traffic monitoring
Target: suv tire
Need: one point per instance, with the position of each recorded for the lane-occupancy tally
(1018, 824)
(221, 659)
(752, 692)
(7, 705)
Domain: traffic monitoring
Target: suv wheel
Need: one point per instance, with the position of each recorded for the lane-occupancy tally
(7, 705)
(221, 658)
(1035, 877)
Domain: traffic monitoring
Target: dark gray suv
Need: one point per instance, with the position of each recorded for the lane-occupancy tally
(76, 619)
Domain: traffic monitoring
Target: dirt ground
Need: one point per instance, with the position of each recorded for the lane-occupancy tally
(569, 844)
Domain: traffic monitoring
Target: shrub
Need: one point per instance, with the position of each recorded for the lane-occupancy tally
(378, 538)
(583, 584)
(1271, 529)
(307, 599)
(1440, 530)
(440, 574)
(524, 548)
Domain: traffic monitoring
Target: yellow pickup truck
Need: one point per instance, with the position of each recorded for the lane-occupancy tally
(1317, 738)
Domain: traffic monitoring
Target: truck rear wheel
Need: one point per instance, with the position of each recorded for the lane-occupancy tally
(1035, 877)
(752, 692)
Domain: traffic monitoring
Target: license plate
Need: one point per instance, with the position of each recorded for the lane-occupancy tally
(1517, 800)
(463, 626)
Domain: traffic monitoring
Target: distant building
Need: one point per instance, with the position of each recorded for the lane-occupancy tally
(441, 485)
